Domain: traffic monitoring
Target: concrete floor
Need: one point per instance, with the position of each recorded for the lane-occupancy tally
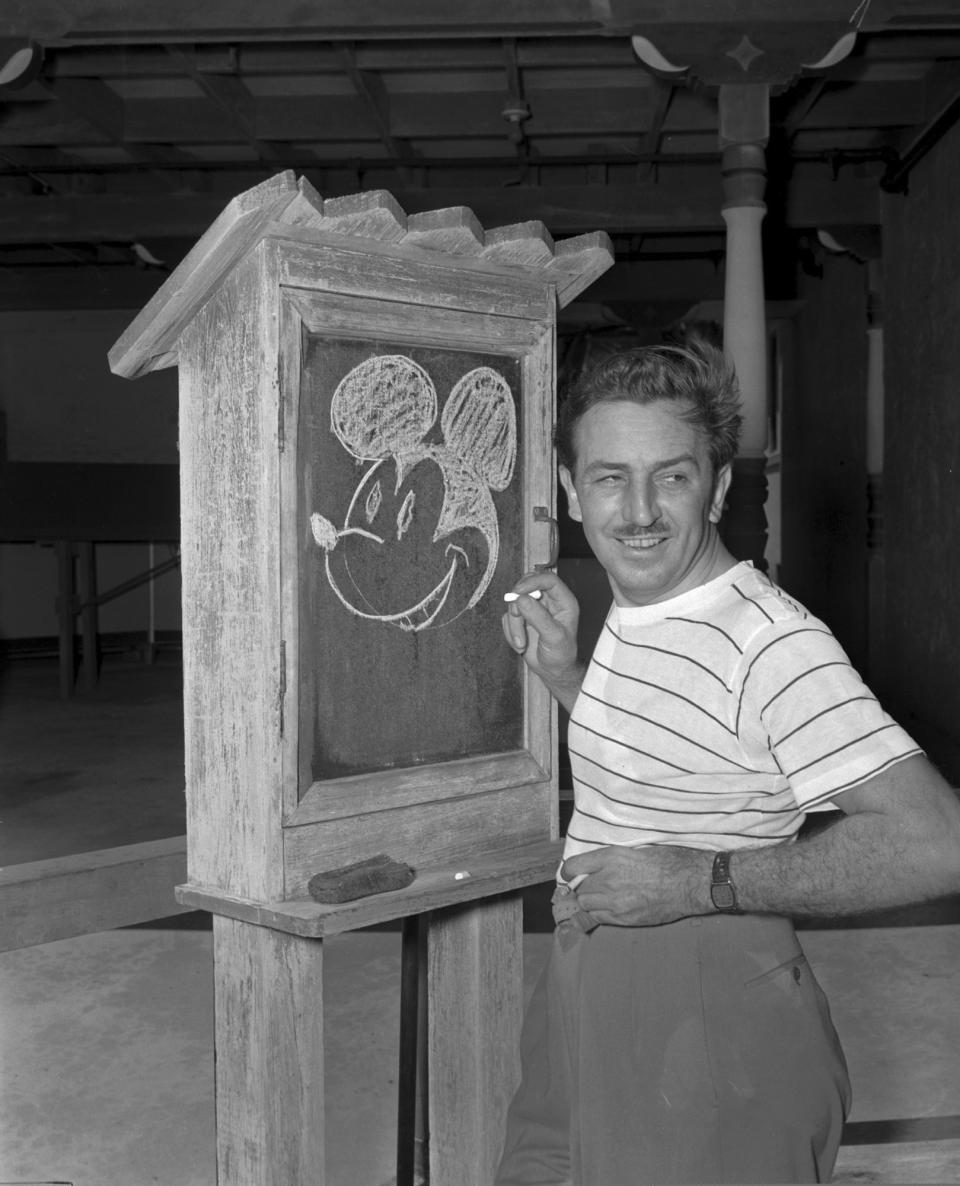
(106, 1056)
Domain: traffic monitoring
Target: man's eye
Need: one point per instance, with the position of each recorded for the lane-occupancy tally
(609, 479)
(674, 479)
(405, 514)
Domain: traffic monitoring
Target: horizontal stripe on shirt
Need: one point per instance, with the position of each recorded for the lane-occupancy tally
(695, 722)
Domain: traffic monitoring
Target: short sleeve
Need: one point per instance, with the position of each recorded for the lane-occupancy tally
(825, 728)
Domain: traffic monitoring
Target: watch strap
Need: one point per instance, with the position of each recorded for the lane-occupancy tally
(723, 892)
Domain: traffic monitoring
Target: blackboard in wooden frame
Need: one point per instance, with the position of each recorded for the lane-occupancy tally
(403, 690)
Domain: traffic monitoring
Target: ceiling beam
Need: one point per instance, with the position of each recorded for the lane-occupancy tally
(91, 22)
(815, 199)
(103, 110)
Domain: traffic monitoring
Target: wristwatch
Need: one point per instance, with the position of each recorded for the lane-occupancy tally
(723, 893)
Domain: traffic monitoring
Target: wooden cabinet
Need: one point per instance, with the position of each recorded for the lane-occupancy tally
(366, 410)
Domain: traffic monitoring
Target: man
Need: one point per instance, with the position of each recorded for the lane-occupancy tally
(677, 1034)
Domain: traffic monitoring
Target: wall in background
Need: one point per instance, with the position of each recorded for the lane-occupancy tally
(921, 489)
(823, 450)
(60, 403)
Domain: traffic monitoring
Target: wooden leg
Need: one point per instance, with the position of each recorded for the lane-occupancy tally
(65, 615)
(269, 1051)
(87, 572)
(475, 1007)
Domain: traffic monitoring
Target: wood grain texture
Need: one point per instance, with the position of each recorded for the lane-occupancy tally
(94, 891)
(409, 274)
(456, 231)
(373, 214)
(230, 566)
(150, 340)
(578, 262)
(524, 244)
(897, 1163)
(434, 888)
(475, 1010)
(268, 990)
(370, 217)
(424, 835)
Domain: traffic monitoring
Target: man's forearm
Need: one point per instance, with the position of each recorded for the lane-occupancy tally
(863, 862)
(896, 842)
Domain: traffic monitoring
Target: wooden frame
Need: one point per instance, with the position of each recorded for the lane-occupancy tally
(531, 344)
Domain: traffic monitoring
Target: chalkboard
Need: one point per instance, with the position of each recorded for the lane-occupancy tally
(410, 493)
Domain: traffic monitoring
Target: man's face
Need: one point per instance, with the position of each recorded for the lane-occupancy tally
(645, 491)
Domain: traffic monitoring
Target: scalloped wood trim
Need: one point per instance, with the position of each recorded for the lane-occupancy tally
(150, 342)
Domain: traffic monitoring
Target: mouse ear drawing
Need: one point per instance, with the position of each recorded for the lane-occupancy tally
(480, 425)
(383, 407)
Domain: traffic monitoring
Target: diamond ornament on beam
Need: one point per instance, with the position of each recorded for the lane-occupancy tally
(745, 53)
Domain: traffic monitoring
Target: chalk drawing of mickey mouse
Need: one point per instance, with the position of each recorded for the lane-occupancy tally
(414, 517)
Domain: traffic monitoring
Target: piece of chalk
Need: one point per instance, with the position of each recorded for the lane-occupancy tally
(535, 594)
(460, 876)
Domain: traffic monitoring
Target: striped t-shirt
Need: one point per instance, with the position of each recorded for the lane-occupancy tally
(717, 719)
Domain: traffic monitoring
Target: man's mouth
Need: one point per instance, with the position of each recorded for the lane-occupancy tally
(641, 542)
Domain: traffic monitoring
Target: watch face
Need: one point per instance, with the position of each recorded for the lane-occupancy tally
(723, 896)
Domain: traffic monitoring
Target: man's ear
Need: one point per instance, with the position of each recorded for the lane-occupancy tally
(720, 488)
(573, 502)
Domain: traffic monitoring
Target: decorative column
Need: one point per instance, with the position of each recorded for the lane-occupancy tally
(744, 130)
(743, 66)
(875, 415)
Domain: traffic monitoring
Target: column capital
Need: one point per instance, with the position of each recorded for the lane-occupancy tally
(744, 174)
(713, 55)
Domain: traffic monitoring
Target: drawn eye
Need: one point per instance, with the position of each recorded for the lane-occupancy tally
(374, 499)
(405, 515)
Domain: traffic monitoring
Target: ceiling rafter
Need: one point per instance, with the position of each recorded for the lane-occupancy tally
(370, 89)
(801, 101)
(941, 111)
(232, 98)
(663, 92)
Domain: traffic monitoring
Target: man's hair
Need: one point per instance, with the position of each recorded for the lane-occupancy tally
(696, 376)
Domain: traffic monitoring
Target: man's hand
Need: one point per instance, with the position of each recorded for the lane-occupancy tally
(641, 887)
(544, 632)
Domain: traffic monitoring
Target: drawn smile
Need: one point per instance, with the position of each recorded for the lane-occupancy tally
(423, 613)
(414, 617)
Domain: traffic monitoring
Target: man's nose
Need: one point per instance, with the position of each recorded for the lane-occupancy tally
(640, 503)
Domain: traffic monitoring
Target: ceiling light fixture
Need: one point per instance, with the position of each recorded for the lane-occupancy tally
(20, 62)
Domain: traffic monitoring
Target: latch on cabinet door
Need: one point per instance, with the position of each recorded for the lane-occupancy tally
(542, 515)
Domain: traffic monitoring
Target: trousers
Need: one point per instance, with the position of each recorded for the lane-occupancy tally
(701, 1051)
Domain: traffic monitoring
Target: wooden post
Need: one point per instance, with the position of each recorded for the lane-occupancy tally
(65, 616)
(475, 1007)
(744, 128)
(269, 1041)
(87, 574)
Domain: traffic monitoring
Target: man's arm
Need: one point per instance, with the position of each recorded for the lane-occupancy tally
(544, 632)
(898, 842)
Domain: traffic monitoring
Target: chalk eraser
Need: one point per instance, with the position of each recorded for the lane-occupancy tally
(375, 875)
(536, 594)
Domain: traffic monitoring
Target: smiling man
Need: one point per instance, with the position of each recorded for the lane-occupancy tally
(677, 1034)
